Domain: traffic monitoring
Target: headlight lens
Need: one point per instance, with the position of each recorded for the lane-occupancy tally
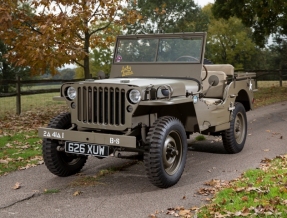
(72, 93)
(135, 96)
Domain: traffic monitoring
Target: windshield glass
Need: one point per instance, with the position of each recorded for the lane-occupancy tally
(161, 50)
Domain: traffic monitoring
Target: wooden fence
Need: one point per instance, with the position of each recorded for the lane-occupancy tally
(260, 74)
(19, 83)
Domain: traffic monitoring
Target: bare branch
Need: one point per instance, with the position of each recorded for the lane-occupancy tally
(102, 28)
(94, 14)
(80, 37)
(32, 27)
(77, 62)
(60, 7)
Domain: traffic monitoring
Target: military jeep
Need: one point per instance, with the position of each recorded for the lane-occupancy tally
(159, 93)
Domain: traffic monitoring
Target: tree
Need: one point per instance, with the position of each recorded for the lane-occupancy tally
(8, 70)
(265, 17)
(101, 56)
(229, 41)
(167, 16)
(65, 74)
(48, 33)
(278, 57)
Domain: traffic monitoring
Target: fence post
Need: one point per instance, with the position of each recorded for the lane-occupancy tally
(256, 78)
(18, 96)
(280, 78)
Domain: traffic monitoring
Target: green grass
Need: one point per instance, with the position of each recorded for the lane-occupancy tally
(51, 191)
(269, 95)
(266, 84)
(19, 151)
(28, 87)
(200, 138)
(28, 103)
(257, 193)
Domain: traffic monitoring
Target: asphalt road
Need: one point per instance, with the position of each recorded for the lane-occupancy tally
(128, 193)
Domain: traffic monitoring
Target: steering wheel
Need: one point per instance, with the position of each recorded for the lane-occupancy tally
(206, 73)
(188, 58)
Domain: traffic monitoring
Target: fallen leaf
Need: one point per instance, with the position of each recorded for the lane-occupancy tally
(244, 198)
(17, 186)
(184, 212)
(8, 145)
(266, 150)
(170, 212)
(240, 189)
(4, 162)
(76, 193)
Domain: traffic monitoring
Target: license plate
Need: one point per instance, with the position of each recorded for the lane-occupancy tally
(86, 149)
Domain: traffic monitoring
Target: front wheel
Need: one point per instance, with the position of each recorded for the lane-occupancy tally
(59, 162)
(234, 137)
(166, 155)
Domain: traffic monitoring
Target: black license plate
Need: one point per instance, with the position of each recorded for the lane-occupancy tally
(86, 149)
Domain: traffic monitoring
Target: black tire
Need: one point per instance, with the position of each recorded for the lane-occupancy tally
(165, 156)
(234, 138)
(59, 162)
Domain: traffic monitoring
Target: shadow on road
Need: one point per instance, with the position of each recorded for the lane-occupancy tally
(207, 146)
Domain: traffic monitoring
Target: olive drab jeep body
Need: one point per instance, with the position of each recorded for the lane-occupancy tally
(159, 92)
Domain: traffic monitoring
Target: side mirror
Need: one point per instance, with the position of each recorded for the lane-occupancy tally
(213, 80)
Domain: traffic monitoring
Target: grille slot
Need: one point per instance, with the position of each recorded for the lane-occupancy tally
(101, 105)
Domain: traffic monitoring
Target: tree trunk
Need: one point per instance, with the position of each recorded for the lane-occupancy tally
(87, 56)
(5, 71)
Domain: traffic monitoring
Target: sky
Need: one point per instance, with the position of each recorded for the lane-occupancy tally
(203, 2)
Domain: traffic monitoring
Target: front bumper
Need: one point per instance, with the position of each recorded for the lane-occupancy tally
(88, 137)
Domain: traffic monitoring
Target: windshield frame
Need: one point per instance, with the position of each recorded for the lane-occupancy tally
(159, 38)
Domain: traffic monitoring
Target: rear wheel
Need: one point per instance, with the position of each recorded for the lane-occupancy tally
(59, 162)
(234, 138)
(166, 155)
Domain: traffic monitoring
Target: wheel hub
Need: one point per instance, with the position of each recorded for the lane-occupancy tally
(238, 128)
(171, 153)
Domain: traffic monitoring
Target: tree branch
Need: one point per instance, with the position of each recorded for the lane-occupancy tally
(79, 36)
(77, 62)
(59, 6)
(95, 12)
(32, 27)
(102, 28)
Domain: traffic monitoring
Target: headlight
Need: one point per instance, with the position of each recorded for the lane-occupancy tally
(135, 96)
(72, 93)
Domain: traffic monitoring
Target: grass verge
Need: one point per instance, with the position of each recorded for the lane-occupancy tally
(19, 151)
(20, 146)
(269, 95)
(257, 193)
(28, 103)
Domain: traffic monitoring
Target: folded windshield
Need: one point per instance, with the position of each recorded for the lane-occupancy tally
(159, 50)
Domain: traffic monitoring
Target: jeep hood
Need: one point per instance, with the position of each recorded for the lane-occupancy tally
(180, 86)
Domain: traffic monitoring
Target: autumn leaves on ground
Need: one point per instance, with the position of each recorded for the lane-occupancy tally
(20, 148)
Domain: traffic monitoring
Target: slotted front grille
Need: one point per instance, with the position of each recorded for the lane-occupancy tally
(101, 105)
